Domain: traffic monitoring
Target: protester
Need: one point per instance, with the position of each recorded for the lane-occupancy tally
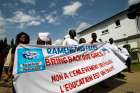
(71, 40)
(128, 60)
(44, 39)
(94, 38)
(21, 38)
(82, 40)
(103, 83)
(114, 47)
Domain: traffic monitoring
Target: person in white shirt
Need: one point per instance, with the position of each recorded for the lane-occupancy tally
(113, 45)
(114, 48)
(71, 40)
(128, 60)
(124, 51)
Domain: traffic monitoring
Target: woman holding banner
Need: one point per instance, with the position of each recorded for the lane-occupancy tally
(21, 38)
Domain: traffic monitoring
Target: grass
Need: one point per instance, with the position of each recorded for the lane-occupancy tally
(135, 67)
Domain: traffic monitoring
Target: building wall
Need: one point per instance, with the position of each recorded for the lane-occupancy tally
(133, 43)
(127, 28)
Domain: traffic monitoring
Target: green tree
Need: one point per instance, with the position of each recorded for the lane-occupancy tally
(5, 41)
(12, 42)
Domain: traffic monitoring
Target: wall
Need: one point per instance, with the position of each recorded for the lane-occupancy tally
(127, 28)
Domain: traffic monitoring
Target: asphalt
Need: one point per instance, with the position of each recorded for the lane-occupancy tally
(130, 84)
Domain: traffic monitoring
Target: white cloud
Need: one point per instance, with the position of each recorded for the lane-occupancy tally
(21, 17)
(33, 42)
(72, 8)
(42, 11)
(52, 4)
(34, 23)
(10, 5)
(51, 19)
(42, 19)
(2, 23)
(32, 12)
(28, 2)
(53, 12)
(91, 3)
(92, 0)
(2, 27)
(24, 19)
(132, 2)
(82, 26)
(58, 42)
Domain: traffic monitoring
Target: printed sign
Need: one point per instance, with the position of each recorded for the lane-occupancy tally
(59, 69)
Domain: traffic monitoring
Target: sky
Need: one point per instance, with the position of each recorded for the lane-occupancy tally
(54, 16)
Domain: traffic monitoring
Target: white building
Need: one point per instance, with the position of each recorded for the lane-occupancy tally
(119, 27)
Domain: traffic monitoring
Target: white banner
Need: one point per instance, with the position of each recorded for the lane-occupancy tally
(59, 69)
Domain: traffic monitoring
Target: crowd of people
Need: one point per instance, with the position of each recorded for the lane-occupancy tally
(7, 57)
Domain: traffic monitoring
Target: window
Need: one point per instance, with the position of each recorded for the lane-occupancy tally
(117, 23)
(105, 32)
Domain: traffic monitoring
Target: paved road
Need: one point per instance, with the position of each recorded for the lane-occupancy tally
(131, 84)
